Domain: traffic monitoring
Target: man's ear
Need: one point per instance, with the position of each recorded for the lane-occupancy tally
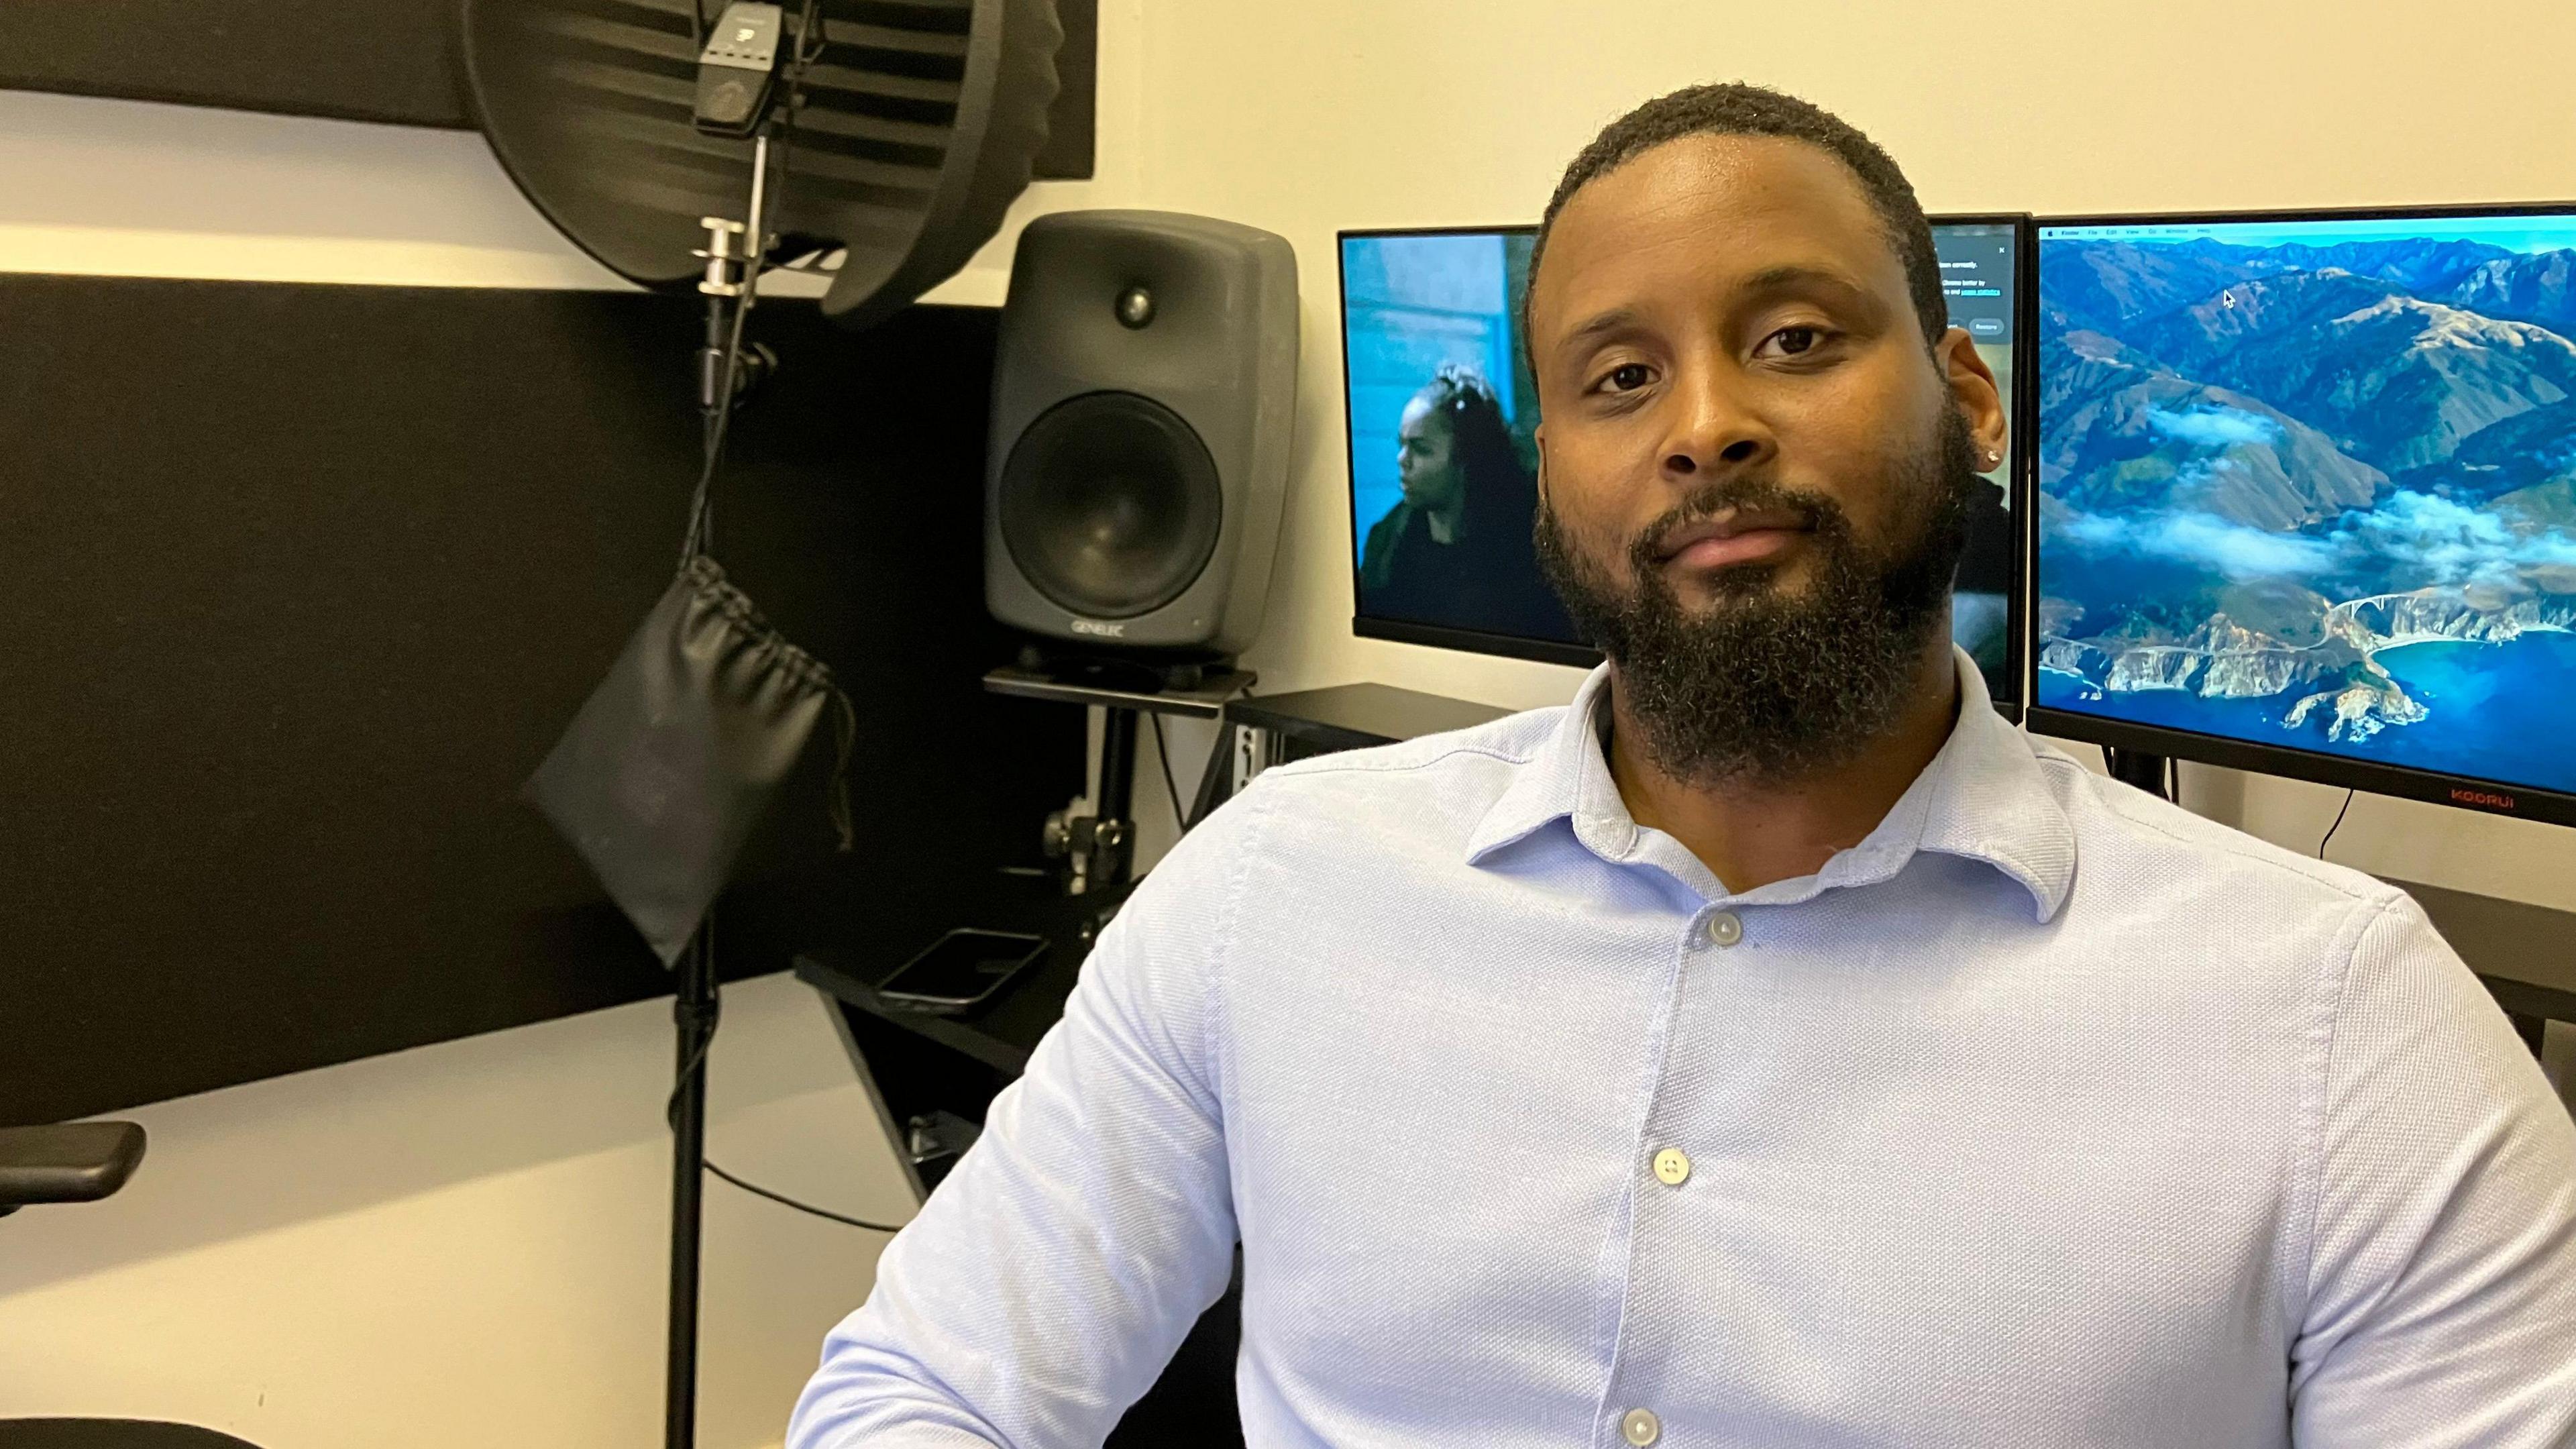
(1974, 392)
(1538, 439)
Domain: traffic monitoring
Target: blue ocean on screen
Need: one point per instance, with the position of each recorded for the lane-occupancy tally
(2502, 705)
(2312, 484)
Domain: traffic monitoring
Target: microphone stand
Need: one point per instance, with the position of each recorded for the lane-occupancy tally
(733, 277)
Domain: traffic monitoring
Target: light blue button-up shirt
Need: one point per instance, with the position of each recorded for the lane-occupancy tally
(2049, 1115)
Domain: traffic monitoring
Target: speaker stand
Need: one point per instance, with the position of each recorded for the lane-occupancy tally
(1124, 688)
(1111, 860)
(1129, 676)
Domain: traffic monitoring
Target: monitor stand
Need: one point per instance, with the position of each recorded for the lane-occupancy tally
(2136, 767)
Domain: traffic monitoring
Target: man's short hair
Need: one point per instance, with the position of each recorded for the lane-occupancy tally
(1736, 109)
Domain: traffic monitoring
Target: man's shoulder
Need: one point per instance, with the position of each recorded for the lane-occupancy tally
(2158, 854)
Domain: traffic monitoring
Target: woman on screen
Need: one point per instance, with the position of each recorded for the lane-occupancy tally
(1456, 550)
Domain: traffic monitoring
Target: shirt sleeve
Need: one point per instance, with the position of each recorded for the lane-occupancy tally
(2442, 1279)
(1049, 1279)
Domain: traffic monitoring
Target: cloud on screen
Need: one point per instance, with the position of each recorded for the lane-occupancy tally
(2213, 427)
(2200, 540)
(2414, 538)
(2446, 541)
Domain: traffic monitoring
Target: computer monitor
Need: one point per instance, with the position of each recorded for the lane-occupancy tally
(2305, 496)
(1437, 385)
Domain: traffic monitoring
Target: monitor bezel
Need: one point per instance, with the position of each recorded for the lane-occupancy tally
(2468, 792)
(2021, 417)
(2021, 482)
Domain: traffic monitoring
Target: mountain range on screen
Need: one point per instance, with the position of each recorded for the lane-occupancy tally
(2263, 468)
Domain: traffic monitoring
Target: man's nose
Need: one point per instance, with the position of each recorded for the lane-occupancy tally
(1713, 427)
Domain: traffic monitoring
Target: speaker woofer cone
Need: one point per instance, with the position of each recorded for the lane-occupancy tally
(1110, 505)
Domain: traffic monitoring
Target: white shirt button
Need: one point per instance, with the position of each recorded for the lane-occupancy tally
(1640, 1426)
(1672, 1167)
(1725, 928)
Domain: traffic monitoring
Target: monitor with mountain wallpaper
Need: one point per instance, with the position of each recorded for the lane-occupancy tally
(2305, 496)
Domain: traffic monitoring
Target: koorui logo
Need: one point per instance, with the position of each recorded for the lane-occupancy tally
(2482, 797)
(1105, 631)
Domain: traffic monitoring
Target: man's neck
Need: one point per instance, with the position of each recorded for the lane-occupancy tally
(1753, 833)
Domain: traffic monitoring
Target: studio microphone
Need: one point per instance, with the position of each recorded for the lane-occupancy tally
(738, 70)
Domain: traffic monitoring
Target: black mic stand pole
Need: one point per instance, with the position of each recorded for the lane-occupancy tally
(694, 1005)
(694, 1008)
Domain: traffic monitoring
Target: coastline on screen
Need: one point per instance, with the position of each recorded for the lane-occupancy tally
(1418, 306)
(2310, 484)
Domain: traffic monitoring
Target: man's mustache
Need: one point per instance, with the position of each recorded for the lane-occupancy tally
(1812, 511)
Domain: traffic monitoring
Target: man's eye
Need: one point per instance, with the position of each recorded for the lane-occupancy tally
(1627, 377)
(1792, 341)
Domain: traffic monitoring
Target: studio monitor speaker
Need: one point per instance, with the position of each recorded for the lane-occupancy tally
(1141, 407)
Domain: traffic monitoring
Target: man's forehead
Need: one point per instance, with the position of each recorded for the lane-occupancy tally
(1732, 207)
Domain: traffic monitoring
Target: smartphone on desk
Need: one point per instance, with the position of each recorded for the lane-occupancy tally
(960, 971)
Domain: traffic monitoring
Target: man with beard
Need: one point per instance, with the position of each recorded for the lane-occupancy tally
(1774, 1047)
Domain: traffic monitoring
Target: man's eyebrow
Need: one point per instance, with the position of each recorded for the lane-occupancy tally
(1792, 275)
(1598, 326)
(1787, 277)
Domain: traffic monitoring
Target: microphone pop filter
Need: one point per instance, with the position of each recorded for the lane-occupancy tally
(920, 124)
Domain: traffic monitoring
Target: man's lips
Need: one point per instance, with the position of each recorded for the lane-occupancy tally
(1730, 538)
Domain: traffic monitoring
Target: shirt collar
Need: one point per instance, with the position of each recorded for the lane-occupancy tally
(1982, 798)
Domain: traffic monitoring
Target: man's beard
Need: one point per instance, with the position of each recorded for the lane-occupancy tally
(1770, 686)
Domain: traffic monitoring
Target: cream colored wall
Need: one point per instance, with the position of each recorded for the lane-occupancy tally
(462, 1244)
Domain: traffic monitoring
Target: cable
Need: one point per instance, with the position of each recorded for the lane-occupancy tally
(2338, 825)
(1171, 786)
(803, 1207)
(697, 1063)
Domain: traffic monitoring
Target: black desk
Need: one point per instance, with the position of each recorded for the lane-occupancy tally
(933, 1078)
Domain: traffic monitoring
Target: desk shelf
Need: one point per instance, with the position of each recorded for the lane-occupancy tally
(1207, 701)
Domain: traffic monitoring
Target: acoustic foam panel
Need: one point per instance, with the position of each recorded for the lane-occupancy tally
(305, 579)
(366, 60)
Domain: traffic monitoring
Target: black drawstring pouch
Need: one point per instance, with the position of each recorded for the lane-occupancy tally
(660, 778)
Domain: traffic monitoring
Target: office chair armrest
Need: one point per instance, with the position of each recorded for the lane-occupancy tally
(73, 1162)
